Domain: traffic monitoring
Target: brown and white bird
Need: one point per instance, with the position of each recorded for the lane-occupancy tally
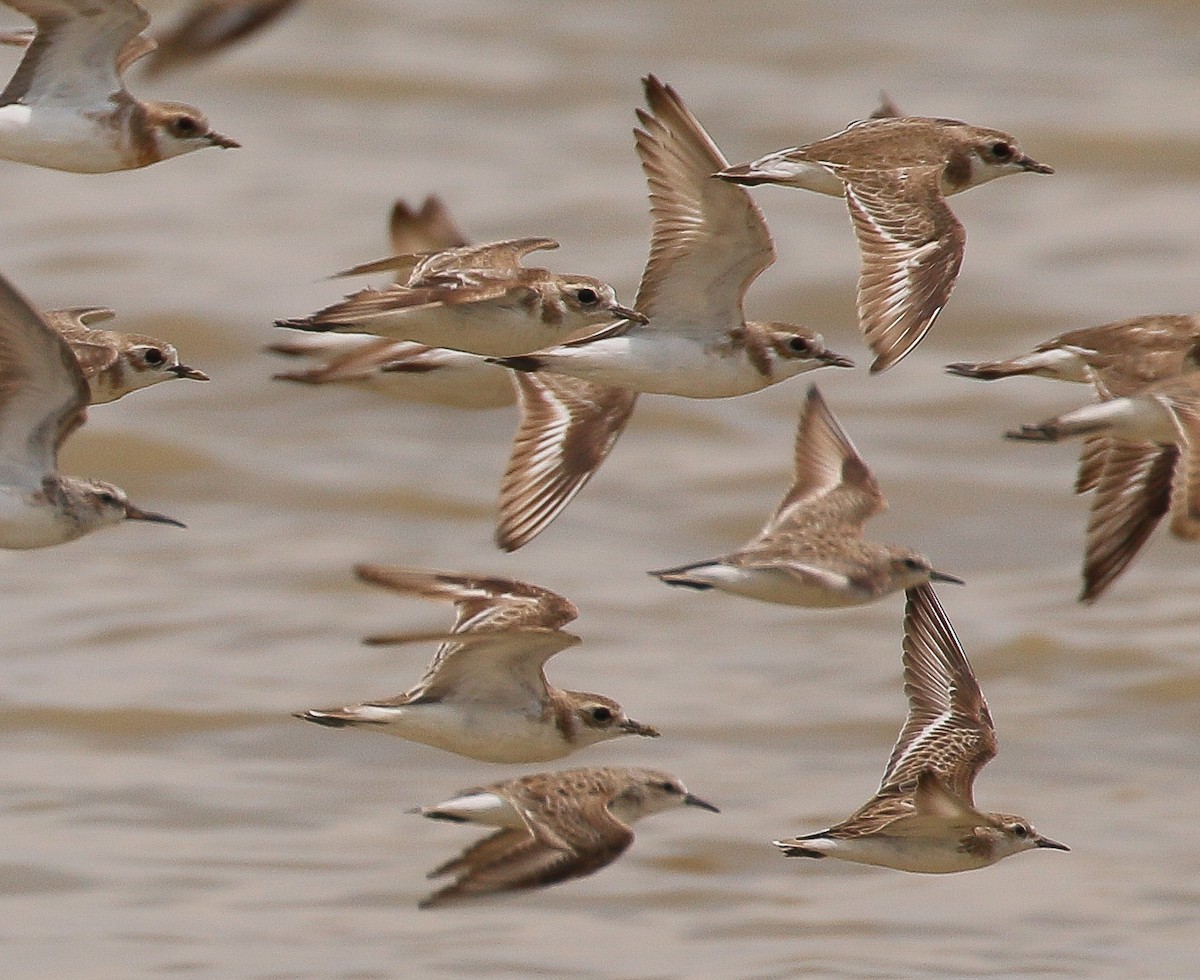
(43, 399)
(485, 695)
(476, 298)
(67, 107)
(895, 173)
(923, 816)
(553, 826)
(403, 368)
(1130, 480)
(812, 552)
(113, 362)
(707, 245)
(1160, 427)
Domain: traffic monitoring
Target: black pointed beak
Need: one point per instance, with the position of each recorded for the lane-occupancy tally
(834, 359)
(944, 577)
(183, 371)
(691, 800)
(1052, 844)
(625, 313)
(137, 514)
(637, 728)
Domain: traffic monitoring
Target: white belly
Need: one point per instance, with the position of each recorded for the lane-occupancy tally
(659, 364)
(478, 733)
(785, 588)
(59, 139)
(914, 854)
(24, 524)
(489, 329)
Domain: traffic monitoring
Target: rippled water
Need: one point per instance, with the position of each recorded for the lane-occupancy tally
(161, 812)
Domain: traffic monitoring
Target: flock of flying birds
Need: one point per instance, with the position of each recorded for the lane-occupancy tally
(475, 322)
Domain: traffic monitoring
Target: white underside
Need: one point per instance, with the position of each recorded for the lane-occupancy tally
(58, 138)
(798, 173)
(824, 590)
(479, 733)
(485, 808)
(24, 524)
(485, 328)
(916, 854)
(659, 363)
(1131, 419)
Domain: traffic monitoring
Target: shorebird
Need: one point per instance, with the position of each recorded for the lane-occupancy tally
(402, 367)
(1131, 480)
(1162, 422)
(207, 27)
(895, 173)
(811, 552)
(1121, 356)
(477, 298)
(67, 108)
(923, 816)
(553, 826)
(43, 399)
(708, 244)
(485, 694)
(116, 363)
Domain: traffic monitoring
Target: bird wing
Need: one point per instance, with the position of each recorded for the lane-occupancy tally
(568, 427)
(73, 60)
(709, 241)
(949, 729)
(43, 393)
(912, 248)
(1132, 493)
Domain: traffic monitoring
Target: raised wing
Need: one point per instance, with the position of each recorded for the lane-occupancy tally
(43, 393)
(949, 729)
(830, 478)
(482, 602)
(709, 241)
(73, 60)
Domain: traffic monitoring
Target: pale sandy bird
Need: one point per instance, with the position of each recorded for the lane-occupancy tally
(401, 367)
(553, 826)
(1131, 480)
(206, 27)
(895, 173)
(1122, 356)
(1161, 417)
(708, 244)
(923, 816)
(116, 363)
(811, 552)
(485, 695)
(477, 298)
(43, 398)
(67, 107)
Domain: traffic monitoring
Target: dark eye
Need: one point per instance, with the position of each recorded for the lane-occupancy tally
(601, 713)
(107, 497)
(586, 296)
(668, 787)
(1002, 150)
(184, 126)
(798, 345)
(153, 356)
(1020, 830)
(914, 565)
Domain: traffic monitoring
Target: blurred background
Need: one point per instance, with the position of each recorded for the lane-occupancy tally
(163, 815)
